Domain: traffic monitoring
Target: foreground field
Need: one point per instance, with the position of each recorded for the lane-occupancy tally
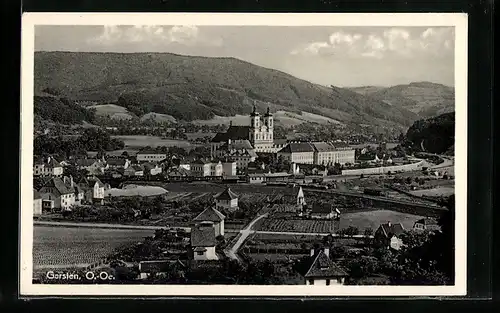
(55, 247)
(299, 226)
(373, 219)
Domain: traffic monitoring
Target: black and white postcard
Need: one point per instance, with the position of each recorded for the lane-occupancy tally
(243, 154)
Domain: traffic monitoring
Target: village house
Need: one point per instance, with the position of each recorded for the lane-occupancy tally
(93, 188)
(389, 235)
(79, 193)
(57, 195)
(323, 271)
(37, 203)
(213, 216)
(324, 211)
(47, 167)
(203, 241)
(151, 168)
(201, 168)
(428, 224)
(267, 178)
(227, 200)
(92, 166)
(178, 173)
(149, 155)
(133, 170)
(216, 168)
(118, 163)
(229, 168)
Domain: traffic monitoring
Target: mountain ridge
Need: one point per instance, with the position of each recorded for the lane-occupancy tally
(197, 87)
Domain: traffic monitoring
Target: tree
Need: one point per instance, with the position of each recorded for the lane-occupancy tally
(351, 231)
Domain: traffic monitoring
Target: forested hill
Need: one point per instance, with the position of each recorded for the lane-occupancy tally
(434, 135)
(189, 87)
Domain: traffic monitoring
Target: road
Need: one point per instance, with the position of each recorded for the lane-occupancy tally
(244, 233)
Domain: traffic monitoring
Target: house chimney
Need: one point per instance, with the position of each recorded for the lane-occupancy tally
(48, 160)
(327, 252)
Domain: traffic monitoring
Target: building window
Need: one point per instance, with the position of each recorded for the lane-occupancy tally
(199, 253)
(311, 281)
(328, 282)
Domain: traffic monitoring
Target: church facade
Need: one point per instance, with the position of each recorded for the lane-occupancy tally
(259, 135)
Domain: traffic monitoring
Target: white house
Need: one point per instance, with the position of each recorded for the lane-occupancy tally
(37, 203)
(226, 200)
(79, 192)
(47, 167)
(93, 189)
(201, 168)
(228, 168)
(216, 168)
(152, 168)
(203, 241)
(213, 216)
(57, 195)
(323, 271)
(389, 234)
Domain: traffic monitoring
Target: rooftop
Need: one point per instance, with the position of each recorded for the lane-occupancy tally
(295, 147)
(57, 184)
(233, 133)
(324, 267)
(389, 229)
(210, 214)
(227, 195)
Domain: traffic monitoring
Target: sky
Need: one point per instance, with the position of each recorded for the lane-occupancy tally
(326, 55)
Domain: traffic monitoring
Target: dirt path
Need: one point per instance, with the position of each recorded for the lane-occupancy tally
(231, 252)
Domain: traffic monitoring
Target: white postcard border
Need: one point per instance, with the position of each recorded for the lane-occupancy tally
(29, 20)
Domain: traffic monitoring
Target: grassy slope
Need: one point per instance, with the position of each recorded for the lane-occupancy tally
(198, 88)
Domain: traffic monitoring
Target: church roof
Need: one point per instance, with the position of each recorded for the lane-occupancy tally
(237, 145)
(233, 133)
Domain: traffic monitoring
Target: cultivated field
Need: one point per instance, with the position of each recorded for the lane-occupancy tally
(299, 226)
(55, 247)
(434, 192)
(373, 219)
(135, 190)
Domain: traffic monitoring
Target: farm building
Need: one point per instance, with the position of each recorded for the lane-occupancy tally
(92, 166)
(426, 224)
(57, 195)
(151, 168)
(323, 271)
(117, 163)
(324, 211)
(203, 241)
(214, 216)
(47, 167)
(79, 192)
(389, 235)
(93, 189)
(134, 170)
(227, 200)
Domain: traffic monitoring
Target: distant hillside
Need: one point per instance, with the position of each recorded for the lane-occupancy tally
(112, 110)
(61, 110)
(434, 135)
(192, 88)
(424, 98)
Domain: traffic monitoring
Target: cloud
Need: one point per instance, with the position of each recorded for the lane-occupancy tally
(158, 35)
(378, 44)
